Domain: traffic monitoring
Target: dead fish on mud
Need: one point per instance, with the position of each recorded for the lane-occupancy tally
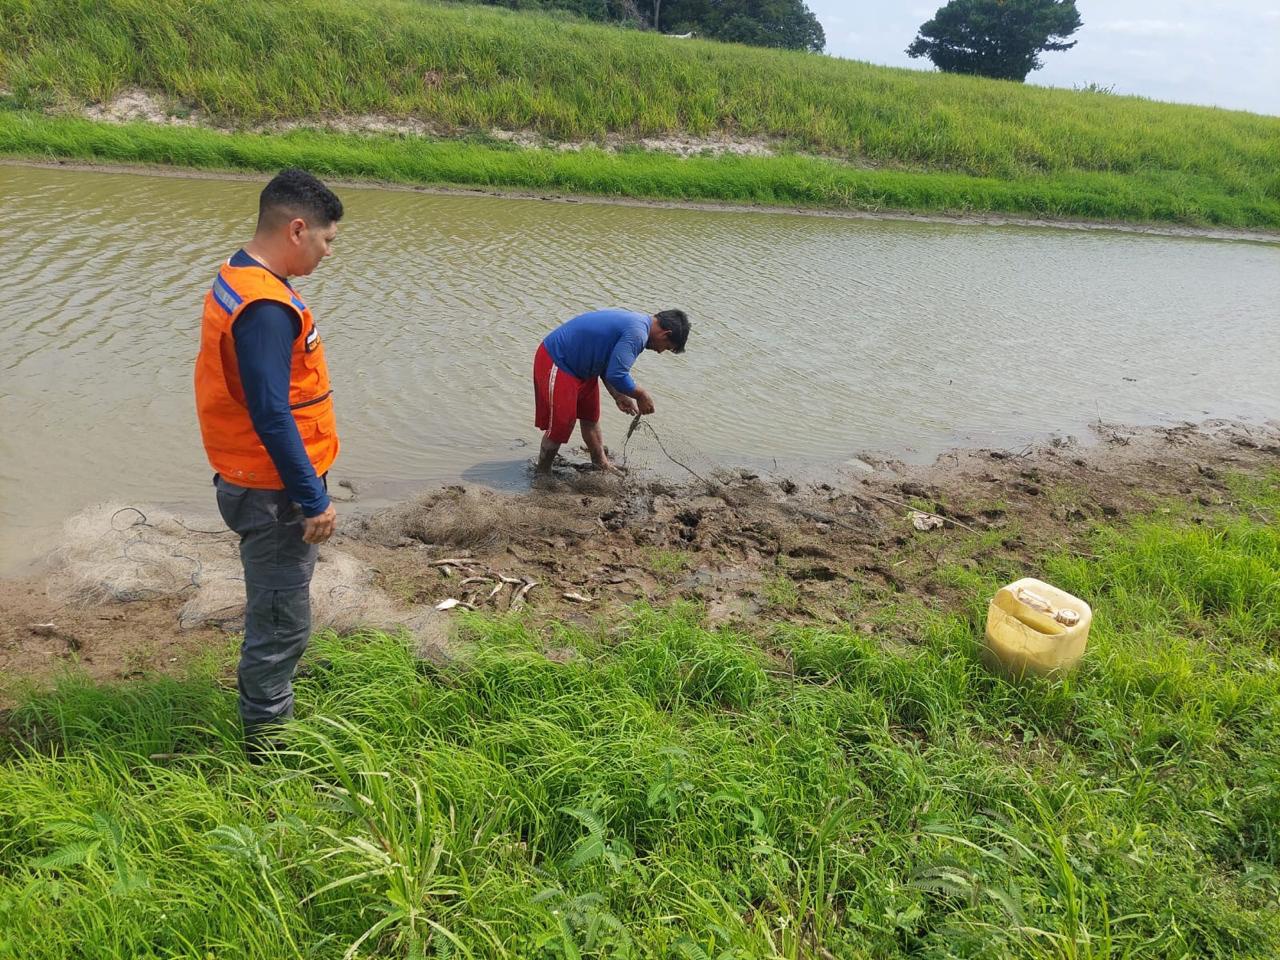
(518, 600)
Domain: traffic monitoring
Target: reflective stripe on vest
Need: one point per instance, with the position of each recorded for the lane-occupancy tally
(230, 441)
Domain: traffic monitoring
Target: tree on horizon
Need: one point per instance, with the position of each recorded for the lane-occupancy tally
(1002, 39)
(785, 24)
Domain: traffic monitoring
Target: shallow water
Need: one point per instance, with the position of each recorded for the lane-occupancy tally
(814, 338)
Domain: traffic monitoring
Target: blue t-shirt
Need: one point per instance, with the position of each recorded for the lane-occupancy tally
(264, 334)
(602, 343)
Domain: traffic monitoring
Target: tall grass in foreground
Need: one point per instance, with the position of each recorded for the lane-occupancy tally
(678, 792)
(476, 68)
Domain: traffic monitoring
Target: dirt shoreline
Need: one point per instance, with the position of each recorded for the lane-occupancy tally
(751, 549)
(955, 219)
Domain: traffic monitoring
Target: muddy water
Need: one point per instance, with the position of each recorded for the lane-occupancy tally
(814, 338)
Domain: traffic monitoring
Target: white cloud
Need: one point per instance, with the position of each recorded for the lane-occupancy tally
(1148, 28)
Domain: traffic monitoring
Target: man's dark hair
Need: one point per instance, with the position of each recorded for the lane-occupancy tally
(677, 324)
(296, 193)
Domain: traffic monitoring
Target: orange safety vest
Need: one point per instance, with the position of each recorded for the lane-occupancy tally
(233, 446)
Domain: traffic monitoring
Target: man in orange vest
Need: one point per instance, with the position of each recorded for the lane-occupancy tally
(266, 417)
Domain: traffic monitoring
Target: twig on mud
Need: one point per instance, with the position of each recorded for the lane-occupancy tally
(907, 506)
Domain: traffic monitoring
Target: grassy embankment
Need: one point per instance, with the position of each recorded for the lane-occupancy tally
(883, 138)
(679, 792)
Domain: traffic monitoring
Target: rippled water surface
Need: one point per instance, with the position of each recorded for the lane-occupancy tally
(814, 338)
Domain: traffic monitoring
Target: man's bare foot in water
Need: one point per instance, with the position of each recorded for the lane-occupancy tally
(605, 465)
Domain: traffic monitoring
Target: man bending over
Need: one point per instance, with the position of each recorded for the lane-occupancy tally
(577, 355)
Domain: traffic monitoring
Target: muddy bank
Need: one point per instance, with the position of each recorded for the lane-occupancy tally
(733, 541)
(751, 548)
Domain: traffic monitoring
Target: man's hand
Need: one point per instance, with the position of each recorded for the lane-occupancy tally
(319, 528)
(626, 405)
(643, 401)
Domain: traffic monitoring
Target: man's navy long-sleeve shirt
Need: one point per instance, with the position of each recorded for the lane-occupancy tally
(602, 343)
(264, 335)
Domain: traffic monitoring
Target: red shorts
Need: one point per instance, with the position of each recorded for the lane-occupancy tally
(560, 398)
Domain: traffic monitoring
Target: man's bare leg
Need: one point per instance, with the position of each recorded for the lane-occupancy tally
(593, 436)
(547, 454)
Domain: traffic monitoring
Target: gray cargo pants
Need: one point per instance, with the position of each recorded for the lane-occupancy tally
(277, 582)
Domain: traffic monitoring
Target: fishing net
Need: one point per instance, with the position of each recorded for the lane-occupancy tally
(474, 518)
(123, 554)
(648, 453)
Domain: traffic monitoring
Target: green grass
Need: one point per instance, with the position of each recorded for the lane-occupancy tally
(790, 180)
(936, 142)
(676, 792)
(781, 592)
(668, 563)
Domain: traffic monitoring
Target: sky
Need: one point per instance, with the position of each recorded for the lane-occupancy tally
(1223, 53)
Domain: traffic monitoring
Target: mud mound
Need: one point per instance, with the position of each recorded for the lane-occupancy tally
(732, 538)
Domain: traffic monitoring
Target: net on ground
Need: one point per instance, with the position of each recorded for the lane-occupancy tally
(114, 553)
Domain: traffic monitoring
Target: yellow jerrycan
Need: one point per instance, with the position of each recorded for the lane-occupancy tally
(1035, 628)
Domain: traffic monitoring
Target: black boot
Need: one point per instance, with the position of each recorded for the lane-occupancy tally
(312, 669)
(261, 740)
